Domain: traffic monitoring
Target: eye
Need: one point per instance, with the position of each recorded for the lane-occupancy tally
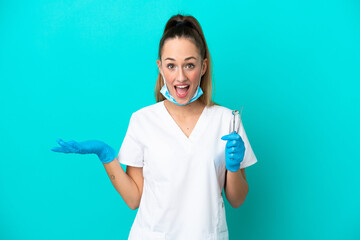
(190, 65)
(170, 66)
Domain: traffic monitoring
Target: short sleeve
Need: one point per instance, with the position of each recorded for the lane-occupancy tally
(131, 151)
(249, 157)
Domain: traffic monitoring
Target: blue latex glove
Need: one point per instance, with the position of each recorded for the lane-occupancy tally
(234, 151)
(101, 149)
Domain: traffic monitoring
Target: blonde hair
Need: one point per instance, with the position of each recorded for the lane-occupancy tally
(188, 27)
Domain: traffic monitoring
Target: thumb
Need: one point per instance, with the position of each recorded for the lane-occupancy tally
(231, 136)
(226, 137)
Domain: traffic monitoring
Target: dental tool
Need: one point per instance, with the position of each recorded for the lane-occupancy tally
(236, 121)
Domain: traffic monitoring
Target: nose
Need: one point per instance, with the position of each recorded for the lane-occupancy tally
(180, 75)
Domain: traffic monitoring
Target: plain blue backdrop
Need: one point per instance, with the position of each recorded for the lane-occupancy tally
(75, 69)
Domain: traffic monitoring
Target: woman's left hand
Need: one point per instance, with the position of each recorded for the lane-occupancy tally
(234, 151)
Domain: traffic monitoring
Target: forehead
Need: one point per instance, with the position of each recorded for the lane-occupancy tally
(179, 49)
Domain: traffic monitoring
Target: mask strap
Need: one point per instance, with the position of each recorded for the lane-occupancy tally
(200, 73)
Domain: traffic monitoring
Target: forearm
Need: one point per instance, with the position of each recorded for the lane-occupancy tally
(123, 184)
(236, 188)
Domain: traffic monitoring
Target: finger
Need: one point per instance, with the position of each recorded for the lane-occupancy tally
(237, 144)
(232, 150)
(61, 142)
(238, 150)
(67, 146)
(239, 156)
(231, 137)
(72, 144)
(232, 143)
(234, 160)
(59, 149)
(225, 137)
(233, 157)
(231, 161)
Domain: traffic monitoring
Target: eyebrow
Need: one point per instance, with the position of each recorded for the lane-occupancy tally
(188, 58)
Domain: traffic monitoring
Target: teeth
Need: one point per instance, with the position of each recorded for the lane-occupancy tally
(182, 86)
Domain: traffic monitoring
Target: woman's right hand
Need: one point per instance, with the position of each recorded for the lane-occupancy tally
(105, 153)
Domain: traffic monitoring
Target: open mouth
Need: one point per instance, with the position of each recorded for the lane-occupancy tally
(182, 91)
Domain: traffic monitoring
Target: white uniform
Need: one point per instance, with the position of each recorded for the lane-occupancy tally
(183, 177)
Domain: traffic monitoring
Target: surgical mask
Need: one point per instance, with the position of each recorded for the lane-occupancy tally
(166, 93)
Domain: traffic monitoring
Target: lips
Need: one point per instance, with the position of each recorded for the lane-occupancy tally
(182, 90)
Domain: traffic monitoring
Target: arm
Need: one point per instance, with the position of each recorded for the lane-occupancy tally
(236, 187)
(128, 184)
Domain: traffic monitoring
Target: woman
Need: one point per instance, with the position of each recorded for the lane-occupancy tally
(179, 153)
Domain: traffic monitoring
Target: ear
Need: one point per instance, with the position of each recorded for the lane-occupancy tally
(203, 71)
(158, 62)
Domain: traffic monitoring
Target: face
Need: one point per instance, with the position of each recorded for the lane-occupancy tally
(181, 67)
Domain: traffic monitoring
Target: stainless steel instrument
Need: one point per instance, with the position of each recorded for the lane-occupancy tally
(235, 121)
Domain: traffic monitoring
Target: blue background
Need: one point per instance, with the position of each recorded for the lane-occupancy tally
(78, 69)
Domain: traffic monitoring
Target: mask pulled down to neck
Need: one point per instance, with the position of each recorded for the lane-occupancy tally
(166, 93)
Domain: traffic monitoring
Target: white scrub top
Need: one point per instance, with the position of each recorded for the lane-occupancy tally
(183, 177)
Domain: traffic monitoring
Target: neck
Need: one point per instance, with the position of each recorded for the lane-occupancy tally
(191, 108)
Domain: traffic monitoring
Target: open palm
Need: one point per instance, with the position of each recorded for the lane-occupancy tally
(104, 151)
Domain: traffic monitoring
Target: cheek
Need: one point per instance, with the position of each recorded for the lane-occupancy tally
(194, 76)
(169, 77)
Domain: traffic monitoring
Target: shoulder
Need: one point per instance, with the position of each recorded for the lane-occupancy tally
(220, 110)
(148, 111)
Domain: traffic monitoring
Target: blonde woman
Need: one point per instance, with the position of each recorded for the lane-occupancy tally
(179, 153)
